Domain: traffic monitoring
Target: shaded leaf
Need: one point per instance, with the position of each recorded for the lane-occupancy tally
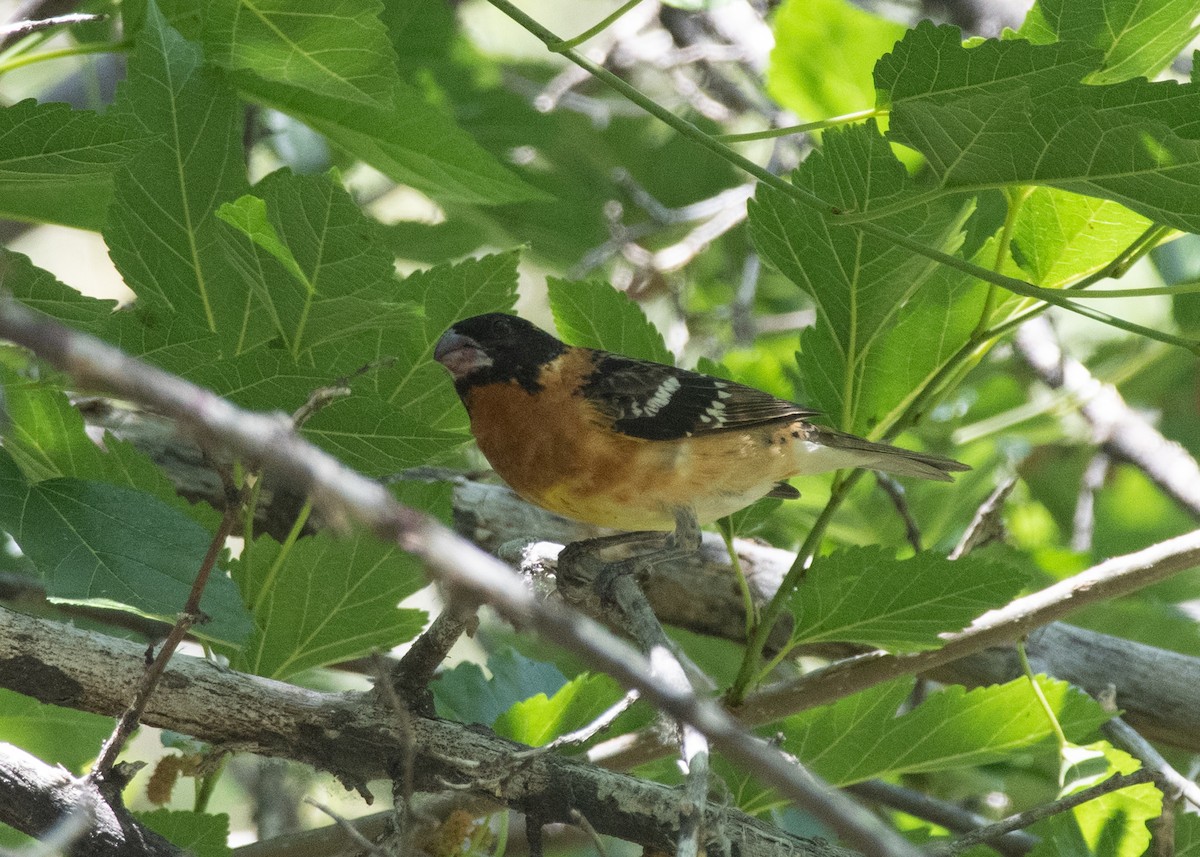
(1138, 38)
(115, 547)
(312, 258)
(1011, 112)
(325, 600)
(200, 833)
(57, 164)
(40, 290)
(161, 232)
(467, 695)
(861, 737)
(57, 736)
(338, 50)
(332, 67)
(859, 282)
(596, 315)
(865, 595)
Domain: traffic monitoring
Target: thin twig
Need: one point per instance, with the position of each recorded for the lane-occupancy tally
(988, 524)
(1121, 431)
(191, 614)
(338, 389)
(416, 668)
(586, 826)
(1083, 523)
(350, 830)
(403, 786)
(940, 812)
(20, 29)
(694, 751)
(895, 492)
(1030, 816)
(587, 732)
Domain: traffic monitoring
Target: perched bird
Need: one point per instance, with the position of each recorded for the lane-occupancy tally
(636, 445)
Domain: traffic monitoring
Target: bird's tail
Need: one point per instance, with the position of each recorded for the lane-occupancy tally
(885, 458)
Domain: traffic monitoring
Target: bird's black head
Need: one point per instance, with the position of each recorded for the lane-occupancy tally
(496, 347)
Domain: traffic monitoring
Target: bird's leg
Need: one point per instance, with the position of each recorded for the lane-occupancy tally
(686, 538)
(584, 571)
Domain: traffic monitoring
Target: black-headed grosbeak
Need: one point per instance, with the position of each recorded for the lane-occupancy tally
(636, 445)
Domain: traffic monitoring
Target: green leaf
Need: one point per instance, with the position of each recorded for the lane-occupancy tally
(1138, 38)
(115, 547)
(747, 521)
(333, 69)
(416, 385)
(861, 737)
(1010, 112)
(865, 595)
(324, 600)
(859, 282)
(432, 243)
(1113, 825)
(161, 232)
(57, 736)
(466, 695)
(47, 438)
(57, 164)
(312, 258)
(823, 55)
(540, 718)
(336, 50)
(595, 315)
(197, 833)
(929, 331)
(379, 438)
(1187, 835)
(1060, 237)
(41, 290)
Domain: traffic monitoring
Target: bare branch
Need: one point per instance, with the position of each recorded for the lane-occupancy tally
(20, 29)
(1173, 784)
(1121, 431)
(36, 797)
(1110, 579)
(352, 735)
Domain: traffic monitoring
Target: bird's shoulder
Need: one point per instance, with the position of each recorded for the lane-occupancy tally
(659, 402)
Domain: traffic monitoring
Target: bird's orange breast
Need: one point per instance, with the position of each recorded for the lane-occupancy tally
(556, 450)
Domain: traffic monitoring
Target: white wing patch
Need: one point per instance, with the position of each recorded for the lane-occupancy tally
(660, 399)
(714, 413)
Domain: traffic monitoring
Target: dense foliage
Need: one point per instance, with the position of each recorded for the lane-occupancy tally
(949, 208)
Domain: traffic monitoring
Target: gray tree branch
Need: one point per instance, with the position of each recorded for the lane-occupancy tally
(351, 735)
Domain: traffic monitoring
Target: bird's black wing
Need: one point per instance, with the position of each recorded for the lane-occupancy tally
(658, 402)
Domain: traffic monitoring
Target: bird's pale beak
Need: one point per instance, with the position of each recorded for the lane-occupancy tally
(461, 355)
